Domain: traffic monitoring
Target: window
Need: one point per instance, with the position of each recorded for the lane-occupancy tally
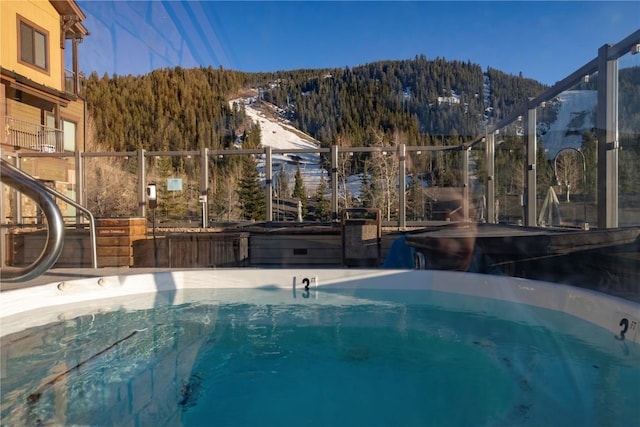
(33, 46)
(69, 129)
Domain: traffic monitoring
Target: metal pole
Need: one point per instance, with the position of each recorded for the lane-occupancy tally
(585, 224)
(608, 144)
(491, 182)
(334, 183)
(142, 207)
(79, 183)
(3, 230)
(17, 208)
(402, 179)
(204, 185)
(531, 146)
(268, 190)
(465, 183)
(155, 243)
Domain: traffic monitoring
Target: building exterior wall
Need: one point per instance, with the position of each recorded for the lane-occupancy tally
(24, 111)
(35, 103)
(43, 15)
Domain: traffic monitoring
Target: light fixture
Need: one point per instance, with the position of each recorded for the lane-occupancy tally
(585, 79)
(635, 49)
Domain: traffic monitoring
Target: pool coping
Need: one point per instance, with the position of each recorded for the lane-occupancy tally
(619, 316)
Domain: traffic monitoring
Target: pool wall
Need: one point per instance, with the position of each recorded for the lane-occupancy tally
(38, 305)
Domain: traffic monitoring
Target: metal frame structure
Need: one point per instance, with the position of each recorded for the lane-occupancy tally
(606, 67)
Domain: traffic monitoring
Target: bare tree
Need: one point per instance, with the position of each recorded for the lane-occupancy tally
(344, 171)
(568, 169)
(226, 201)
(382, 172)
(109, 184)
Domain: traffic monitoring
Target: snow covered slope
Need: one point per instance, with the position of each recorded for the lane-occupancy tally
(279, 134)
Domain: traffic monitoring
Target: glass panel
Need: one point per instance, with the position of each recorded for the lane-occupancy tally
(111, 186)
(509, 173)
(177, 180)
(40, 49)
(68, 188)
(379, 187)
(224, 202)
(566, 160)
(478, 180)
(299, 177)
(26, 43)
(629, 137)
(420, 177)
(349, 182)
(69, 129)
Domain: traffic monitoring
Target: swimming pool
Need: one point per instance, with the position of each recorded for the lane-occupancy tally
(322, 347)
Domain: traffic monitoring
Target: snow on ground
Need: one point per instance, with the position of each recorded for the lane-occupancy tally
(279, 134)
(575, 115)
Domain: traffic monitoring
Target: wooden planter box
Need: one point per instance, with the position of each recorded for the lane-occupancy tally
(24, 248)
(114, 240)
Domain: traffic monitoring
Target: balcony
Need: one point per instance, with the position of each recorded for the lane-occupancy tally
(71, 82)
(23, 134)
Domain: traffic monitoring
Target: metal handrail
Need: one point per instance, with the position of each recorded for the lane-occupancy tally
(30, 187)
(92, 222)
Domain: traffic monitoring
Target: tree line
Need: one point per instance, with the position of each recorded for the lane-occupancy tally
(414, 102)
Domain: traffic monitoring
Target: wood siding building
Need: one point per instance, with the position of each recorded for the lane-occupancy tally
(41, 109)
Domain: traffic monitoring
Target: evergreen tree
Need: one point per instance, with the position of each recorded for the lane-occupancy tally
(299, 190)
(282, 183)
(250, 193)
(323, 205)
(416, 200)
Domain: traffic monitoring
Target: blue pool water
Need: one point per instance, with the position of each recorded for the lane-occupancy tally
(374, 358)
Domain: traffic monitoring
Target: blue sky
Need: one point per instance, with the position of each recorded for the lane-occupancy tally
(544, 40)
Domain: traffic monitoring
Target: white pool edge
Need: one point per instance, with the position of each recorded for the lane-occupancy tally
(611, 313)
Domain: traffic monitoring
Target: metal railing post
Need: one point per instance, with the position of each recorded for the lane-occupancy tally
(608, 144)
(531, 143)
(334, 183)
(268, 180)
(490, 153)
(466, 196)
(402, 186)
(79, 183)
(142, 185)
(204, 185)
(17, 208)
